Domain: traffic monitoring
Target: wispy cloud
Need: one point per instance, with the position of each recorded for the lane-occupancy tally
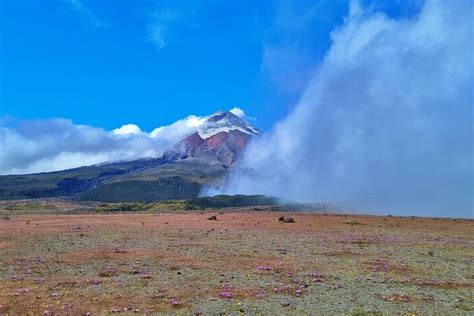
(158, 30)
(85, 13)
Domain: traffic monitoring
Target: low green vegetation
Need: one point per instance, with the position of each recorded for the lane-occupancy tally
(139, 190)
(164, 206)
(202, 203)
(31, 206)
(352, 222)
(65, 206)
(220, 201)
(134, 181)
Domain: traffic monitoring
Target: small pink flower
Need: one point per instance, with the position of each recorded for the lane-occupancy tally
(282, 289)
(299, 290)
(227, 286)
(225, 294)
(39, 280)
(174, 302)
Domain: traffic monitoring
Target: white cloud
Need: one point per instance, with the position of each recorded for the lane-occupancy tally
(61, 161)
(127, 129)
(384, 124)
(238, 112)
(179, 129)
(57, 144)
(85, 13)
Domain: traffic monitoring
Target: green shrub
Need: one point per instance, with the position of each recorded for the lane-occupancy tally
(352, 222)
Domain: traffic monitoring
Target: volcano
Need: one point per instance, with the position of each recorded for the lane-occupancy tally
(222, 138)
(199, 159)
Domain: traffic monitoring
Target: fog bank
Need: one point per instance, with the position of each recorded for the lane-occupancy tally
(385, 123)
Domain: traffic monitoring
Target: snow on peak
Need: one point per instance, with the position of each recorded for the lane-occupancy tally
(223, 121)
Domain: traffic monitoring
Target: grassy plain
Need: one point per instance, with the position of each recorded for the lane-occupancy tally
(244, 262)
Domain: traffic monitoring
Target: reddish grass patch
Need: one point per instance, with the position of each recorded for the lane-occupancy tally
(385, 265)
(440, 284)
(398, 298)
(342, 253)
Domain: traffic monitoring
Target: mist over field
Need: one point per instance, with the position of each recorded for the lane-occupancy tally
(384, 125)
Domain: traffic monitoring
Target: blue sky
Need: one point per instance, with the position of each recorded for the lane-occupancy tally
(372, 98)
(107, 63)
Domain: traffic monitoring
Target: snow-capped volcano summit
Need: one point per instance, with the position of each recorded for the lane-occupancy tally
(222, 137)
(223, 121)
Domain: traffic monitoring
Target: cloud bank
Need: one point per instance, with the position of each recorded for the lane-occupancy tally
(30, 146)
(385, 123)
(56, 144)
